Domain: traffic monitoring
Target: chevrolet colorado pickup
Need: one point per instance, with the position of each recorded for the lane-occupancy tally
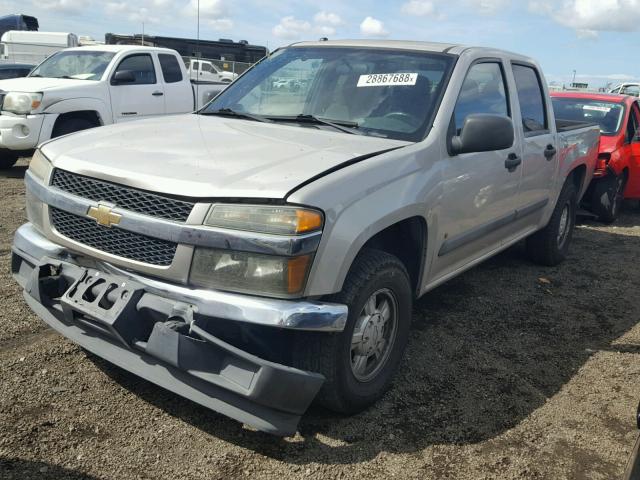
(265, 251)
(85, 87)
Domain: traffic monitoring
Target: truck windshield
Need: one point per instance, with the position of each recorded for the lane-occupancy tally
(79, 65)
(385, 93)
(606, 114)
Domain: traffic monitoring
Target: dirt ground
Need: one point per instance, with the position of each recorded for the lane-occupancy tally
(513, 371)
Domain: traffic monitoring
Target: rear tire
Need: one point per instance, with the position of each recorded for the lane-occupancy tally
(550, 246)
(8, 159)
(360, 362)
(607, 197)
(72, 125)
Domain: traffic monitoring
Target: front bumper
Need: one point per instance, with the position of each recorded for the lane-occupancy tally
(20, 132)
(163, 337)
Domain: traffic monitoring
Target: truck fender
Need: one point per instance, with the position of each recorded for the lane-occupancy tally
(75, 105)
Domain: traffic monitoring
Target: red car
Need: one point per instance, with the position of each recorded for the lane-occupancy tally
(617, 173)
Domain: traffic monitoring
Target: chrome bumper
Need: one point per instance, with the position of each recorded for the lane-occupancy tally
(32, 246)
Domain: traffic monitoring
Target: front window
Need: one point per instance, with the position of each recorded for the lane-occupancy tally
(384, 93)
(79, 65)
(607, 115)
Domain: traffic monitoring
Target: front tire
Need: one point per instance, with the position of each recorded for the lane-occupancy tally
(360, 362)
(607, 197)
(8, 159)
(550, 246)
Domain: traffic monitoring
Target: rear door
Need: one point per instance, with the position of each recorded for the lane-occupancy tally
(178, 95)
(480, 194)
(540, 152)
(144, 96)
(633, 134)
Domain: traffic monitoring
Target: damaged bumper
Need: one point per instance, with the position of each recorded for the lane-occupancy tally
(162, 336)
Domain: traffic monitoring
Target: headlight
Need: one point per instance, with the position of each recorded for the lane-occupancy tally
(265, 219)
(40, 166)
(249, 272)
(21, 103)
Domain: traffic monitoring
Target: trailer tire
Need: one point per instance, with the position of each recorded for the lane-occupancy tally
(550, 246)
(376, 279)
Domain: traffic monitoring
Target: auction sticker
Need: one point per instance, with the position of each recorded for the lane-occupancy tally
(596, 108)
(387, 79)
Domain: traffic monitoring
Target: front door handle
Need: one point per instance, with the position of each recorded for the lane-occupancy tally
(550, 152)
(512, 162)
(157, 94)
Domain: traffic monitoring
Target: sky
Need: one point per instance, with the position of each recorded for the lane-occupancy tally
(599, 39)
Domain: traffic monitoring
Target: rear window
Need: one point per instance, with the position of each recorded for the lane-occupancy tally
(170, 68)
(607, 115)
(531, 99)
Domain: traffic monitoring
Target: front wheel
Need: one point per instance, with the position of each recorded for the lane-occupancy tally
(607, 198)
(8, 159)
(550, 246)
(360, 362)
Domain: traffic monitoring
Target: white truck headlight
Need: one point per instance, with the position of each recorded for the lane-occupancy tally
(251, 273)
(21, 103)
(40, 166)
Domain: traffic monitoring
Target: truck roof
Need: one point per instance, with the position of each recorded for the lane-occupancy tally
(120, 48)
(436, 47)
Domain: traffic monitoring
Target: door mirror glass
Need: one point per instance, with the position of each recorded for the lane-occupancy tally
(483, 132)
(123, 76)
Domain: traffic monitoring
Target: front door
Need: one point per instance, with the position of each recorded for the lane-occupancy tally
(480, 194)
(540, 152)
(143, 96)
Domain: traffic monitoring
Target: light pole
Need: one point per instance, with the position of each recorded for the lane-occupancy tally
(574, 78)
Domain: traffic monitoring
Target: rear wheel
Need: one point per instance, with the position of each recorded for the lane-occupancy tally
(8, 159)
(71, 125)
(360, 362)
(550, 246)
(607, 197)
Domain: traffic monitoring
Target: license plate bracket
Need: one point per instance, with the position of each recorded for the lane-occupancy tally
(106, 302)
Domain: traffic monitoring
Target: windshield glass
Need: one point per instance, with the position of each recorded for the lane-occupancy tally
(386, 93)
(79, 65)
(606, 114)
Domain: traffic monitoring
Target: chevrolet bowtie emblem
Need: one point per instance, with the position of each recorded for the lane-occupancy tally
(104, 216)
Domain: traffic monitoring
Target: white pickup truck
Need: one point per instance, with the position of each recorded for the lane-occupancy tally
(265, 252)
(206, 71)
(86, 87)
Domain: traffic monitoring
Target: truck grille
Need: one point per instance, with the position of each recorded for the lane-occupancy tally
(124, 197)
(121, 243)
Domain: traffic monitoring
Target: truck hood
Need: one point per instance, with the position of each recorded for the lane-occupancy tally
(36, 84)
(207, 157)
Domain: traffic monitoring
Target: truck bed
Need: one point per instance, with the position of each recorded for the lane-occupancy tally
(563, 125)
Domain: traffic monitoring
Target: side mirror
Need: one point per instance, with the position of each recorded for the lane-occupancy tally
(123, 76)
(483, 133)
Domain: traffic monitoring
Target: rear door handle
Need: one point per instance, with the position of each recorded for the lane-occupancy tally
(512, 162)
(550, 152)
(157, 94)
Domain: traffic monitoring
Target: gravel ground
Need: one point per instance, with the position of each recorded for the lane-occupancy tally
(513, 371)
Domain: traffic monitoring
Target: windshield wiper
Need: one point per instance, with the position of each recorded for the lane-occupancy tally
(345, 126)
(228, 112)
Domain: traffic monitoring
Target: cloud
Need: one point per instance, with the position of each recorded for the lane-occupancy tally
(214, 13)
(291, 28)
(489, 7)
(64, 6)
(324, 24)
(372, 27)
(418, 8)
(588, 17)
(327, 18)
